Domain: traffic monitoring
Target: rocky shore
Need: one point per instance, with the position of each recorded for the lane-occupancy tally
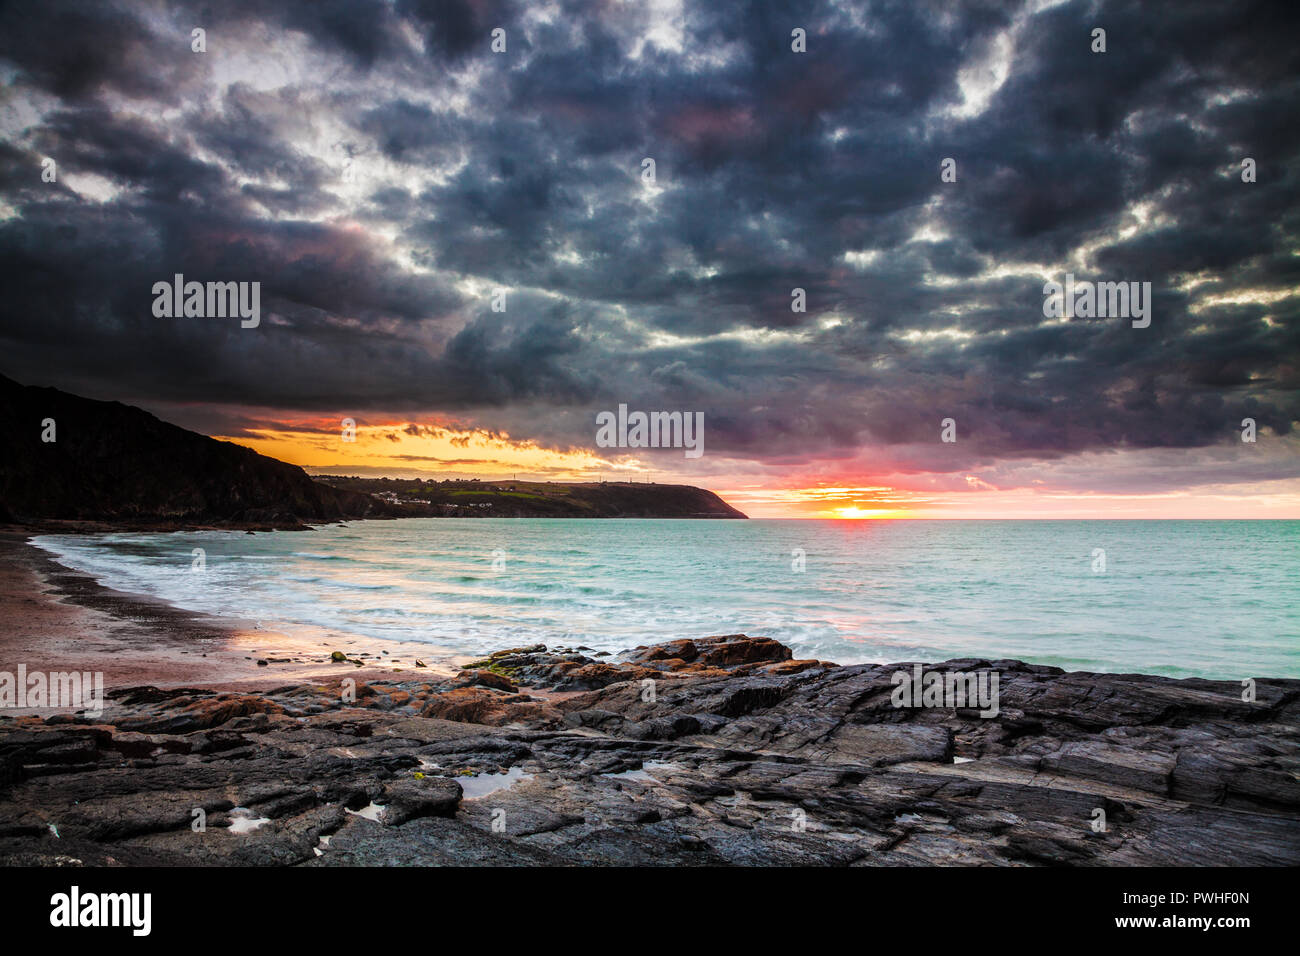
(708, 752)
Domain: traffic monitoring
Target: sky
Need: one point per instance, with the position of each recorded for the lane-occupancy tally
(921, 171)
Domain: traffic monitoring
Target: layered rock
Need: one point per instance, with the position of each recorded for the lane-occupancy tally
(715, 751)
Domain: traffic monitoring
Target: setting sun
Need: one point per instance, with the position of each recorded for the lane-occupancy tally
(854, 511)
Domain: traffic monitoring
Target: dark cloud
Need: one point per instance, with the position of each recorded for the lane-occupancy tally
(455, 28)
(774, 170)
(78, 50)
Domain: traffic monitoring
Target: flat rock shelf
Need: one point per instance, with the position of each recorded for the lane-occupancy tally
(720, 751)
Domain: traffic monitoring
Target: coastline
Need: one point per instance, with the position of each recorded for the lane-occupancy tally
(712, 751)
(57, 618)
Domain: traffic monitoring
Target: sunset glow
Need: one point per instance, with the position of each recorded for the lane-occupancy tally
(406, 449)
(853, 511)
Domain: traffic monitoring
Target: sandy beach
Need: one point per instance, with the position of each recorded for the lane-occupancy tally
(57, 619)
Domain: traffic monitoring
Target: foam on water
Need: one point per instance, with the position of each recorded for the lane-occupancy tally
(1183, 598)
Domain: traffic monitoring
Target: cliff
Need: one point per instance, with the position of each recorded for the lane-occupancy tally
(114, 463)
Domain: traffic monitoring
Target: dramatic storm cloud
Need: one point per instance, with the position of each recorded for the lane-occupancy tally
(381, 171)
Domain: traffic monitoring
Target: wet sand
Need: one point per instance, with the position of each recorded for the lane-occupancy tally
(56, 619)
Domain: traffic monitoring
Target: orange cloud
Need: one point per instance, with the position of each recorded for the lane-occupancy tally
(408, 448)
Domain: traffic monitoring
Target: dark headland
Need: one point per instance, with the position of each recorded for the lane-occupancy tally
(117, 466)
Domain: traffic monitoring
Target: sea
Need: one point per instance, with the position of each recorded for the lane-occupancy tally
(1217, 599)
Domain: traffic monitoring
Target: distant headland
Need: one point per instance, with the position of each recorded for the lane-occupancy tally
(473, 498)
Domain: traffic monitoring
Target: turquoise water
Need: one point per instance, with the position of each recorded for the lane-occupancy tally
(1182, 598)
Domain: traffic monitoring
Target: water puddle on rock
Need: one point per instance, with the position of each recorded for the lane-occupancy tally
(643, 774)
(243, 821)
(485, 783)
(372, 811)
